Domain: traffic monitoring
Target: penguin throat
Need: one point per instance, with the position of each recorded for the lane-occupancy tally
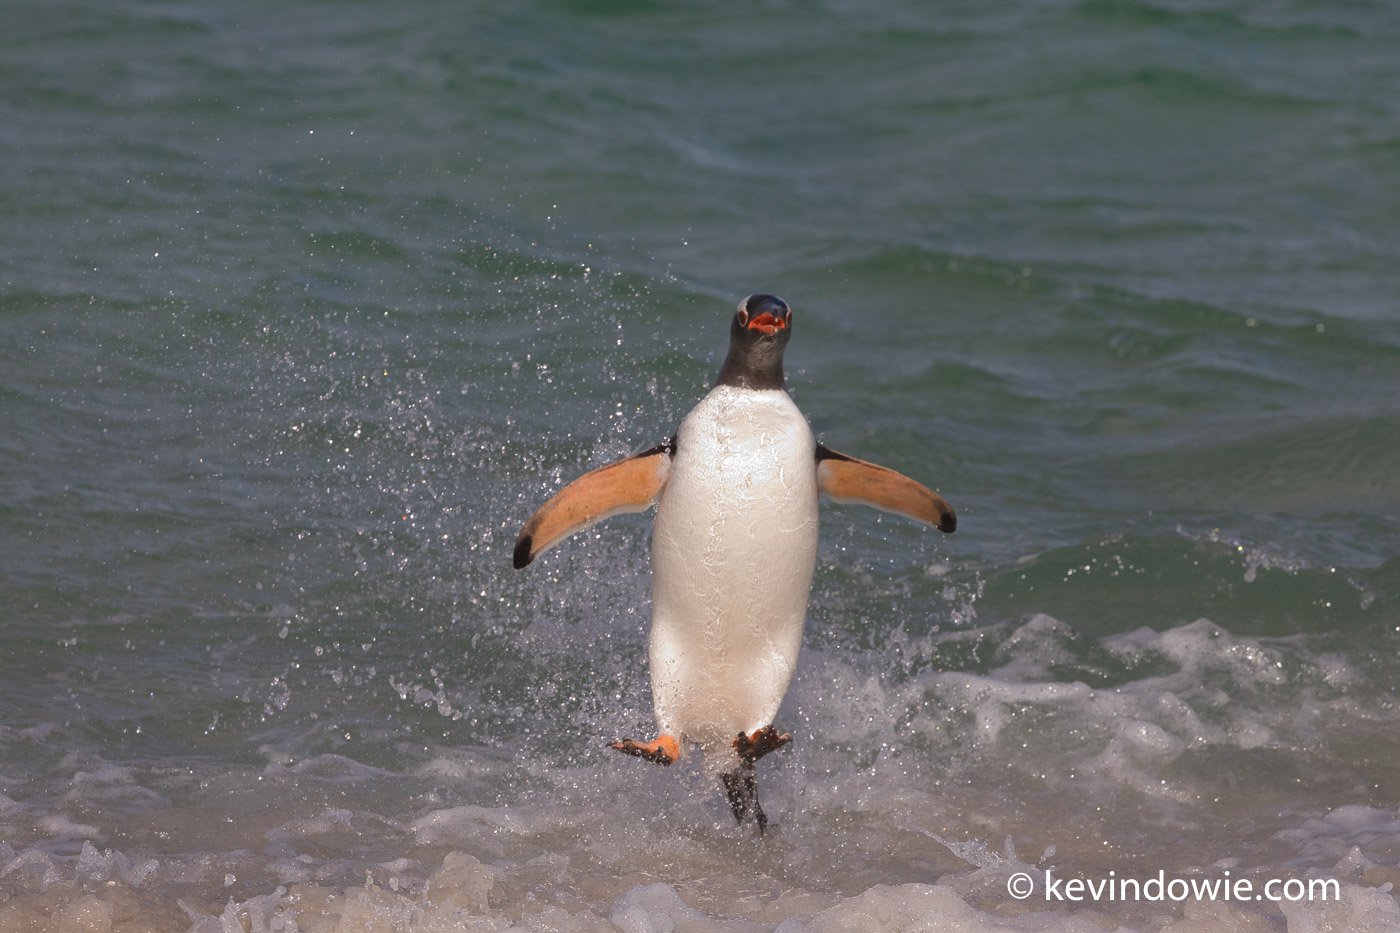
(752, 367)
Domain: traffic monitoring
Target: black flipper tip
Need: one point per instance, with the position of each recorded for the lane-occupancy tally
(522, 551)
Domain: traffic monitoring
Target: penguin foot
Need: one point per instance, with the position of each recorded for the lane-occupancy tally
(741, 787)
(755, 746)
(663, 750)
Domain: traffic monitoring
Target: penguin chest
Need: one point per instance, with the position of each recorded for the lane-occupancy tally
(733, 550)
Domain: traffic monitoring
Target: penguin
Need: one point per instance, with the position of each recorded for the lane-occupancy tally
(733, 547)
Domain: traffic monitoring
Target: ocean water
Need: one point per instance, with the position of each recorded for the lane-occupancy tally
(305, 307)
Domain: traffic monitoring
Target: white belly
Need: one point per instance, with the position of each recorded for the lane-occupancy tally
(733, 549)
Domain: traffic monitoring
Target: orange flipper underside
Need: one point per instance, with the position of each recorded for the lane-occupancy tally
(630, 485)
(847, 479)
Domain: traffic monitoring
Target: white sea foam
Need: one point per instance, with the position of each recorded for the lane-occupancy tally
(910, 796)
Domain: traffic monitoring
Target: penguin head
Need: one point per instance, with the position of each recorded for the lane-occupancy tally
(758, 335)
(762, 316)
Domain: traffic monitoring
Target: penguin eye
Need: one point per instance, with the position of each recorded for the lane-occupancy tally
(743, 318)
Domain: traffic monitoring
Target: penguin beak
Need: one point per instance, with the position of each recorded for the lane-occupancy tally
(768, 323)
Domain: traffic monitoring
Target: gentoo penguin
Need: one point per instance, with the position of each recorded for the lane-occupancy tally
(733, 548)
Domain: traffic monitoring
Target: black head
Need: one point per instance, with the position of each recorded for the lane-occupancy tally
(758, 335)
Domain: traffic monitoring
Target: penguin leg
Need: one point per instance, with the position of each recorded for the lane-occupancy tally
(741, 787)
(741, 784)
(662, 750)
(757, 744)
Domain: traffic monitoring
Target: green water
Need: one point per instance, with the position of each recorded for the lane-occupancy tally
(304, 309)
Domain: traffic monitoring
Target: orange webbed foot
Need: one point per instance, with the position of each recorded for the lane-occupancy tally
(757, 744)
(662, 750)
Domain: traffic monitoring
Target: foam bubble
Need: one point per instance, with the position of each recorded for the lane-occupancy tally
(1345, 832)
(56, 824)
(657, 908)
(1359, 908)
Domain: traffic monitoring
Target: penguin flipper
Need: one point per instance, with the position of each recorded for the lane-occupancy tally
(631, 485)
(846, 479)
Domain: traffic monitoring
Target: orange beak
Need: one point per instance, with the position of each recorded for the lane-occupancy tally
(768, 323)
